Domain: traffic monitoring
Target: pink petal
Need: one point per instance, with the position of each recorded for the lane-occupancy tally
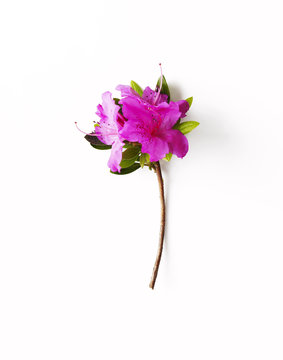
(170, 114)
(107, 130)
(157, 148)
(178, 143)
(116, 156)
(150, 95)
(183, 107)
(126, 90)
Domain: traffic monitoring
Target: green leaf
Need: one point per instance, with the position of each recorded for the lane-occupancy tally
(190, 100)
(186, 126)
(96, 143)
(137, 88)
(144, 159)
(127, 170)
(165, 87)
(116, 100)
(127, 163)
(177, 123)
(168, 157)
(129, 156)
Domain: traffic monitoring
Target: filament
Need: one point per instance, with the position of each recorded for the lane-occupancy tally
(93, 134)
(160, 86)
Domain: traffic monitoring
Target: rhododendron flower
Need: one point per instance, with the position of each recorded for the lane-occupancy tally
(151, 126)
(109, 129)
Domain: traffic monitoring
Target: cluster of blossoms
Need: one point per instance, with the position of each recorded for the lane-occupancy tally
(143, 123)
(141, 128)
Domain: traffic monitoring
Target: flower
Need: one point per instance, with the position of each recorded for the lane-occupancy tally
(152, 97)
(152, 126)
(109, 129)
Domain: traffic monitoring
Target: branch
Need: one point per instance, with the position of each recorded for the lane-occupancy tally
(162, 225)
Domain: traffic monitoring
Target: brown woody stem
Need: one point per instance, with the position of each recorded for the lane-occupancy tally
(162, 225)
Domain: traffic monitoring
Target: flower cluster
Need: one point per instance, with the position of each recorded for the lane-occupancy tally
(142, 127)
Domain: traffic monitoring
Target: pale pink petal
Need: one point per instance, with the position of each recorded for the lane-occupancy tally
(107, 130)
(126, 90)
(115, 156)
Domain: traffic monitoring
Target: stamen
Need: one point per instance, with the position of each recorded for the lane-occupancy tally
(93, 134)
(160, 86)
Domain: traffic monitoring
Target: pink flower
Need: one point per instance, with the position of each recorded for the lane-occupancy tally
(109, 129)
(152, 127)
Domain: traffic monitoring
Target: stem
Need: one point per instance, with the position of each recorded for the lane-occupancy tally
(162, 225)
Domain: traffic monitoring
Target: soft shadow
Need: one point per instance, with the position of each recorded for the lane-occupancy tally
(212, 137)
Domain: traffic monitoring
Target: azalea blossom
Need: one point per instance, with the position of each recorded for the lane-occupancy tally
(108, 131)
(152, 127)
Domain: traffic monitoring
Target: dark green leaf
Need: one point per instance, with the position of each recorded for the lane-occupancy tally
(186, 126)
(190, 100)
(128, 170)
(96, 143)
(165, 87)
(137, 88)
(129, 156)
(177, 124)
(131, 153)
(116, 101)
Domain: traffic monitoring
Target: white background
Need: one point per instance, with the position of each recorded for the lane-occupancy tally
(78, 244)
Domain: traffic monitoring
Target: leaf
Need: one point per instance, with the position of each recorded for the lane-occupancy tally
(127, 170)
(129, 156)
(186, 126)
(190, 100)
(116, 100)
(165, 87)
(137, 88)
(177, 123)
(127, 163)
(168, 157)
(127, 145)
(144, 158)
(96, 143)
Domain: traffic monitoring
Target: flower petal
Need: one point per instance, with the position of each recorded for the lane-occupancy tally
(107, 130)
(183, 107)
(126, 90)
(170, 114)
(116, 156)
(178, 143)
(135, 110)
(150, 95)
(156, 147)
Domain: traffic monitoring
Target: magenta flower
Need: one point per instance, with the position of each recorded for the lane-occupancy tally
(109, 129)
(151, 126)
